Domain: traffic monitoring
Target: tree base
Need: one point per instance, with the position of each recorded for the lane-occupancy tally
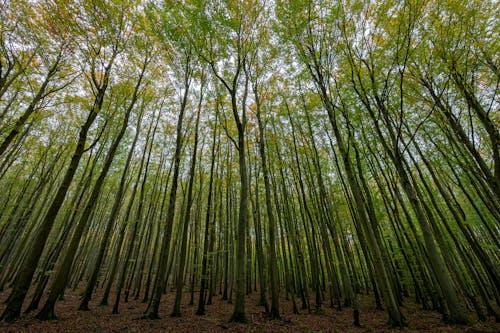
(397, 324)
(47, 313)
(175, 313)
(10, 315)
(274, 315)
(356, 318)
(150, 316)
(84, 307)
(238, 317)
(318, 311)
(455, 320)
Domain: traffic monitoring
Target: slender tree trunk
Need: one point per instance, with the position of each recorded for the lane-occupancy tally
(273, 263)
(23, 280)
(62, 275)
(208, 226)
(109, 225)
(161, 272)
(176, 312)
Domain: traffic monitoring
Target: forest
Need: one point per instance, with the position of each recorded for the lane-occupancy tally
(249, 165)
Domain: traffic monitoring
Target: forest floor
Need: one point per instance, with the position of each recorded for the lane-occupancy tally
(100, 319)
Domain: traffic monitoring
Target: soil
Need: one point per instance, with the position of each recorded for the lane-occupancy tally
(100, 319)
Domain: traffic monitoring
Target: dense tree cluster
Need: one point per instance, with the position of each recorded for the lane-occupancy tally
(313, 149)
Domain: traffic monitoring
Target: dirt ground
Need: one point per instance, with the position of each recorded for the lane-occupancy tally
(100, 319)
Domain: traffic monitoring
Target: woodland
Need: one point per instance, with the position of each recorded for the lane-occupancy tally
(249, 165)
